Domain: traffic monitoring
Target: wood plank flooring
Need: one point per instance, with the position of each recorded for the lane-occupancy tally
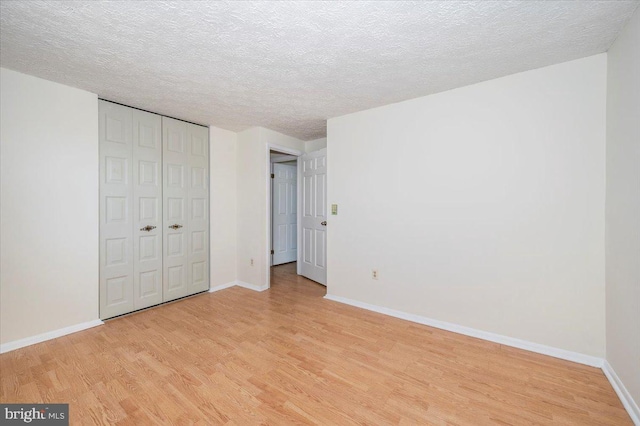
(288, 356)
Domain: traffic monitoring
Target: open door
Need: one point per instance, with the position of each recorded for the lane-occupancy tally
(313, 250)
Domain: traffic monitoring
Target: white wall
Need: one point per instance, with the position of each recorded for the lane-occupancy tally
(253, 175)
(315, 145)
(481, 206)
(222, 163)
(49, 206)
(623, 208)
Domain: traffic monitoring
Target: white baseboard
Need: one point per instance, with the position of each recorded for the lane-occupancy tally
(485, 335)
(623, 393)
(223, 286)
(252, 286)
(17, 344)
(239, 284)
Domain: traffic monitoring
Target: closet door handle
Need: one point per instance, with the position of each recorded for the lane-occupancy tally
(176, 226)
(148, 228)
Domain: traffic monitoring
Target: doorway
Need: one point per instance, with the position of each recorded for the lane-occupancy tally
(281, 154)
(284, 208)
(309, 234)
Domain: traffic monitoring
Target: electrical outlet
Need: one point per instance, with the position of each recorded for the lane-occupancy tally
(374, 274)
(251, 262)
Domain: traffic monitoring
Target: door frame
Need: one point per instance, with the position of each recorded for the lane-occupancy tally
(286, 151)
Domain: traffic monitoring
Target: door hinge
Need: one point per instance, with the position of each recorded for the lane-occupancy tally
(272, 175)
(272, 251)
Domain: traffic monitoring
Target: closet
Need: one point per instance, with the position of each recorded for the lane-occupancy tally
(154, 209)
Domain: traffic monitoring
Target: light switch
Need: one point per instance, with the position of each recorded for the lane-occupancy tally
(334, 209)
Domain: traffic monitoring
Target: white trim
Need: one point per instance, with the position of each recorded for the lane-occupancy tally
(624, 395)
(267, 264)
(28, 341)
(222, 286)
(283, 158)
(485, 335)
(299, 218)
(242, 284)
(252, 286)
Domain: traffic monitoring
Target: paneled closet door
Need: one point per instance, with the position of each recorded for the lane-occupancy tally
(154, 209)
(198, 208)
(175, 198)
(116, 193)
(147, 209)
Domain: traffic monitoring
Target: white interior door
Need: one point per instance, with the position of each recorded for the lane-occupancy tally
(116, 194)
(284, 213)
(147, 209)
(313, 263)
(175, 198)
(154, 209)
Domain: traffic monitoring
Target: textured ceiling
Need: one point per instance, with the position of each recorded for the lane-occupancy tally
(289, 66)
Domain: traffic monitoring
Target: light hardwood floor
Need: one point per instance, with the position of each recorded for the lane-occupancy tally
(288, 356)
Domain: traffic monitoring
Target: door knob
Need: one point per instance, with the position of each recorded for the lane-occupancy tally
(148, 228)
(323, 223)
(175, 226)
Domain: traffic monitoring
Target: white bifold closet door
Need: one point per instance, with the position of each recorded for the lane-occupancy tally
(154, 233)
(186, 201)
(147, 209)
(131, 205)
